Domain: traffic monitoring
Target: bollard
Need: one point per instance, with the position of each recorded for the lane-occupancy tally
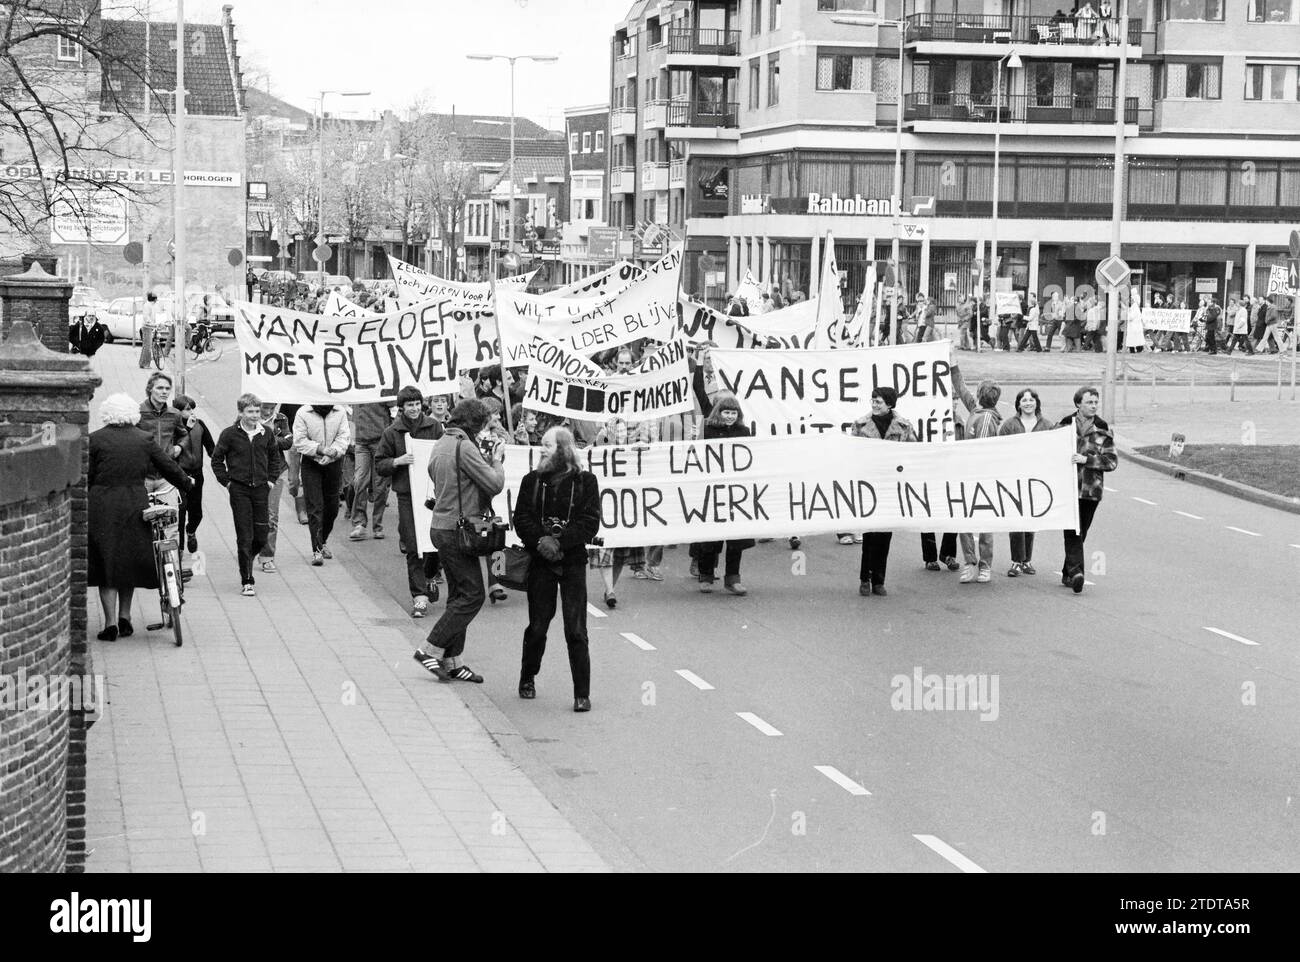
(1279, 375)
(1124, 383)
(1232, 381)
(1191, 393)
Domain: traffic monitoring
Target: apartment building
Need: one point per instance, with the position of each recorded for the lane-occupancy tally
(777, 121)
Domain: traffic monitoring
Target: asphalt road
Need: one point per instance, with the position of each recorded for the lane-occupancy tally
(1129, 735)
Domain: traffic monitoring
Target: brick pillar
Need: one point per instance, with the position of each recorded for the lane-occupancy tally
(37, 297)
(38, 386)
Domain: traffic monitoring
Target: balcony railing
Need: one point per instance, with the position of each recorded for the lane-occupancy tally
(677, 173)
(622, 121)
(1002, 28)
(654, 114)
(684, 113)
(1017, 109)
(716, 43)
(622, 180)
(654, 175)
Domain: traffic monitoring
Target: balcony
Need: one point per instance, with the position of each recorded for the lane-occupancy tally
(932, 32)
(676, 174)
(654, 176)
(687, 119)
(688, 47)
(622, 122)
(622, 180)
(655, 114)
(1016, 109)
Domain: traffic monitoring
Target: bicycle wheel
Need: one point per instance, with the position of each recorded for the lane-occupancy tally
(158, 353)
(174, 616)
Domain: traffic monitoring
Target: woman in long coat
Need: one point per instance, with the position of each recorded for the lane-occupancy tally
(120, 551)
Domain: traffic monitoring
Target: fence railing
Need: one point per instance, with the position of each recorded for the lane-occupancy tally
(685, 113)
(1004, 28)
(718, 43)
(1016, 108)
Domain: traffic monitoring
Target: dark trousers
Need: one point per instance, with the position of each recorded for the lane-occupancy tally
(249, 506)
(1022, 546)
(875, 556)
(708, 558)
(320, 486)
(1242, 341)
(465, 594)
(1004, 334)
(933, 550)
(572, 584)
(420, 568)
(1074, 539)
(1030, 338)
(1211, 338)
(191, 509)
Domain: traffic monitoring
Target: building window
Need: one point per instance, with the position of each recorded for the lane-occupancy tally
(856, 6)
(755, 88)
(586, 141)
(600, 141)
(1271, 81)
(775, 23)
(573, 142)
(650, 89)
(756, 17)
(69, 50)
(1192, 81)
(774, 80)
(648, 209)
(655, 33)
(1273, 11)
(1191, 10)
(593, 210)
(843, 71)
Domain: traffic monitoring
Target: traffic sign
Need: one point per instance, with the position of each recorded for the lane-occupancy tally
(976, 267)
(1295, 243)
(133, 252)
(914, 230)
(923, 206)
(322, 253)
(235, 257)
(510, 261)
(1112, 273)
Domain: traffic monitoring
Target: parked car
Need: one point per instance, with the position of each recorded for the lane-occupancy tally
(223, 315)
(338, 280)
(124, 319)
(86, 300)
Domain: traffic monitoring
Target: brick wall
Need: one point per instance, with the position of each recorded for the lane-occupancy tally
(40, 299)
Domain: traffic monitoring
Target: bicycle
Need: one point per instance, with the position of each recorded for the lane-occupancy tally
(201, 344)
(167, 563)
(161, 345)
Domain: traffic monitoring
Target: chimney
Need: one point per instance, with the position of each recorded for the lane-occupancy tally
(232, 55)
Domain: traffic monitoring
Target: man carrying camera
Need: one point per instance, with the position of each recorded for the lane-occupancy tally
(557, 514)
(464, 482)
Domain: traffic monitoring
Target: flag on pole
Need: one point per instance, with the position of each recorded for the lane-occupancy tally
(852, 334)
(830, 307)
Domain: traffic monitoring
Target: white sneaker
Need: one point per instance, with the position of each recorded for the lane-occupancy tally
(419, 606)
(967, 574)
(248, 591)
(985, 574)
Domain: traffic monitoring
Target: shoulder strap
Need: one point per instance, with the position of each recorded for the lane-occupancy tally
(460, 507)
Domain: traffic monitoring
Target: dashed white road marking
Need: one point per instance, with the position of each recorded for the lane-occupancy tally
(1228, 634)
(1194, 517)
(1091, 584)
(638, 641)
(1110, 489)
(757, 722)
(694, 679)
(842, 780)
(1253, 534)
(948, 852)
(1296, 546)
(595, 612)
(1144, 501)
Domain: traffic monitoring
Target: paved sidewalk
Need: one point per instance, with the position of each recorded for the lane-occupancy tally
(293, 731)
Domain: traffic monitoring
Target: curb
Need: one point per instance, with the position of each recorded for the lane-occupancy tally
(1245, 492)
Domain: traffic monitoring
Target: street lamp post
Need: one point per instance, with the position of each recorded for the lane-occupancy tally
(1013, 62)
(320, 169)
(537, 58)
(1117, 216)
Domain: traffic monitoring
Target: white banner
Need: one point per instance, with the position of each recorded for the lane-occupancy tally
(475, 325)
(1279, 281)
(792, 328)
(824, 392)
(749, 291)
(293, 357)
(647, 308)
(415, 285)
(607, 282)
(661, 385)
(777, 487)
(1167, 319)
(1008, 302)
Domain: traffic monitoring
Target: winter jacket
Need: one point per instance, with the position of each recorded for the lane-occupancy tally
(1098, 446)
(166, 427)
(369, 422)
(573, 498)
(1013, 425)
(198, 440)
(87, 340)
(254, 461)
(900, 429)
(465, 490)
(393, 445)
(330, 432)
(981, 422)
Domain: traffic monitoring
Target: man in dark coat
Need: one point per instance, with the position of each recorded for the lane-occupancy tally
(246, 462)
(1094, 455)
(87, 338)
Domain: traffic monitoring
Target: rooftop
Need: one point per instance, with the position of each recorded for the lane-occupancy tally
(209, 80)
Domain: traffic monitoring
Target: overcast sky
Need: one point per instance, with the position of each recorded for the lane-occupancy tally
(404, 50)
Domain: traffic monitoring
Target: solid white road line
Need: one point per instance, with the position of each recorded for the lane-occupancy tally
(638, 641)
(1110, 489)
(1228, 634)
(757, 722)
(1296, 546)
(694, 679)
(842, 780)
(1145, 501)
(1253, 534)
(950, 853)
(1194, 517)
(595, 612)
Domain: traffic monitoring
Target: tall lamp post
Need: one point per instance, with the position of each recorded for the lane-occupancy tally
(1013, 62)
(536, 58)
(1117, 215)
(320, 168)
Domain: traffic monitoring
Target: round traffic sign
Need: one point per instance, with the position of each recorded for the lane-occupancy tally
(235, 257)
(511, 261)
(1295, 243)
(322, 253)
(133, 252)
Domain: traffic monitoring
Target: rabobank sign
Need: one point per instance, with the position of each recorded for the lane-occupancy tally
(857, 204)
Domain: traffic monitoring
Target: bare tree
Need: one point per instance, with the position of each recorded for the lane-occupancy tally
(354, 195)
(443, 180)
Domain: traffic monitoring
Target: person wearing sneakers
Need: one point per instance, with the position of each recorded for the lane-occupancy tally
(393, 462)
(369, 421)
(275, 422)
(321, 436)
(246, 461)
(725, 420)
(556, 515)
(983, 422)
(1094, 455)
(464, 482)
(1028, 418)
(197, 441)
(882, 424)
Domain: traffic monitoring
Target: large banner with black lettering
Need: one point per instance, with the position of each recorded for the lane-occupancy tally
(474, 324)
(293, 357)
(415, 285)
(824, 392)
(607, 282)
(1167, 319)
(646, 308)
(659, 386)
(792, 328)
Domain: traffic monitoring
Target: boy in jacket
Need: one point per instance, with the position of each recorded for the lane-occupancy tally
(197, 441)
(246, 462)
(393, 461)
(1094, 455)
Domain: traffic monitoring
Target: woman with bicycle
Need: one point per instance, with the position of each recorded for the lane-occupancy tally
(120, 554)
